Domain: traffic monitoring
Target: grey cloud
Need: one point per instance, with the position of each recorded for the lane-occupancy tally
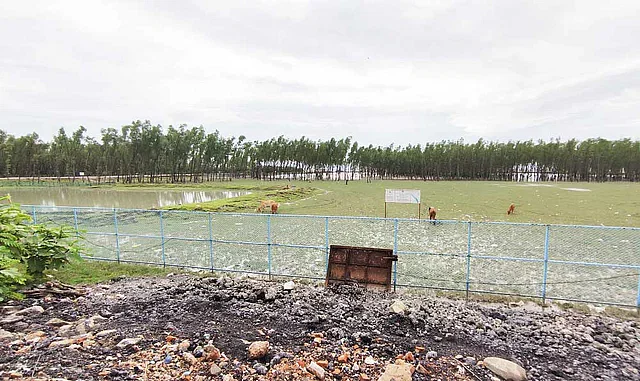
(163, 61)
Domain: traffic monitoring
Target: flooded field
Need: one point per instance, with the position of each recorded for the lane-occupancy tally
(112, 198)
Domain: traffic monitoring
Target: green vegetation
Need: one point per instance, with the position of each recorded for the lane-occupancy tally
(250, 202)
(89, 272)
(612, 204)
(37, 246)
(141, 152)
(27, 250)
(12, 276)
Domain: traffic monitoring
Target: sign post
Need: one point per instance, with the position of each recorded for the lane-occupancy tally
(402, 196)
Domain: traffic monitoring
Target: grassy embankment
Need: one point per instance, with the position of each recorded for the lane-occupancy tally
(249, 202)
(80, 272)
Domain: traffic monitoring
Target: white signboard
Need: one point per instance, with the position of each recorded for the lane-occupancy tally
(403, 196)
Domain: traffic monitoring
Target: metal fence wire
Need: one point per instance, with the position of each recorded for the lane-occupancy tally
(561, 262)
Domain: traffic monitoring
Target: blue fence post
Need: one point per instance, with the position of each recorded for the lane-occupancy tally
(34, 215)
(638, 297)
(395, 252)
(468, 280)
(326, 245)
(546, 264)
(211, 242)
(164, 258)
(269, 245)
(75, 221)
(115, 225)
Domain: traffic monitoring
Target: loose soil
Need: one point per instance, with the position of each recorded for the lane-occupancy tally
(308, 323)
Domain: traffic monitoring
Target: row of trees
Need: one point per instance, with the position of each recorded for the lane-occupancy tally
(142, 152)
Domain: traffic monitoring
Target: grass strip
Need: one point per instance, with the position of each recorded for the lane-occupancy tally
(249, 202)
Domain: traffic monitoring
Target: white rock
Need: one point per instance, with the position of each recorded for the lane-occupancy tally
(188, 357)
(369, 360)
(289, 285)
(400, 371)
(8, 310)
(66, 330)
(398, 307)
(106, 333)
(35, 310)
(258, 349)
(128, 342)
(215, 370)
(34, 337)
(95, 320)
(11, 319)
(62, 343)
(316, 370)
(7, 336)
(81, 327)
(55, 322)
(184, 345)
(506, 369)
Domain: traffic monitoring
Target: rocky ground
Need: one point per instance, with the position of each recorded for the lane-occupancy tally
(188, 327)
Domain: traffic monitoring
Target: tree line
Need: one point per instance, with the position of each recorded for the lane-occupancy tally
(142, 152)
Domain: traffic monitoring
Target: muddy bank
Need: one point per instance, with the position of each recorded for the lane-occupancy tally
(302, 325)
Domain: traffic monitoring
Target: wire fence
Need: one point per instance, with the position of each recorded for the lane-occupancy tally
(560, 262)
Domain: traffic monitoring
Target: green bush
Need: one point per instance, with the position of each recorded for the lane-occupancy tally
(35, 247)
(12, 276)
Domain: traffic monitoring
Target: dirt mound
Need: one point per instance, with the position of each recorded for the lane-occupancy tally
(307, 324)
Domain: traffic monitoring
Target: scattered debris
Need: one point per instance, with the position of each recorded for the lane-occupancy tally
(191, 328)
(53, 288)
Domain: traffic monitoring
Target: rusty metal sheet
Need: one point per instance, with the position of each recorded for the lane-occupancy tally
(369, 267)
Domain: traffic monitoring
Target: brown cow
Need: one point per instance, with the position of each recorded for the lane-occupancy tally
(432, 214)
(274, 208)
(512, 209)
(266, 204)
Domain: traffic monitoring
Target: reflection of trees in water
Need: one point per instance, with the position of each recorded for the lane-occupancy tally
(139, 199)
(192, 197)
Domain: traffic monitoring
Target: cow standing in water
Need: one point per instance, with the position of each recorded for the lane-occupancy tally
(512, 209)
(432, 214)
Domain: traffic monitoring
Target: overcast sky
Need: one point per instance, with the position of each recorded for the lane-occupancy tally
(380, 72)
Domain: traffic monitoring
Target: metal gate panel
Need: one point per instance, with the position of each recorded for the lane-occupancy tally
(370, 267)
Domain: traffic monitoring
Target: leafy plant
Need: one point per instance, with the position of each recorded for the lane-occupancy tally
(39, 247)
(11, 277)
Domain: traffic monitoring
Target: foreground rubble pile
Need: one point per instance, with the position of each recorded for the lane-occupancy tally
(192, 328)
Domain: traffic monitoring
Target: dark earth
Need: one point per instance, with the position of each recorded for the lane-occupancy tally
(446, 337)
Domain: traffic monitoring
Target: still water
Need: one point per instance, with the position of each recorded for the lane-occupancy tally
(126, 199)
